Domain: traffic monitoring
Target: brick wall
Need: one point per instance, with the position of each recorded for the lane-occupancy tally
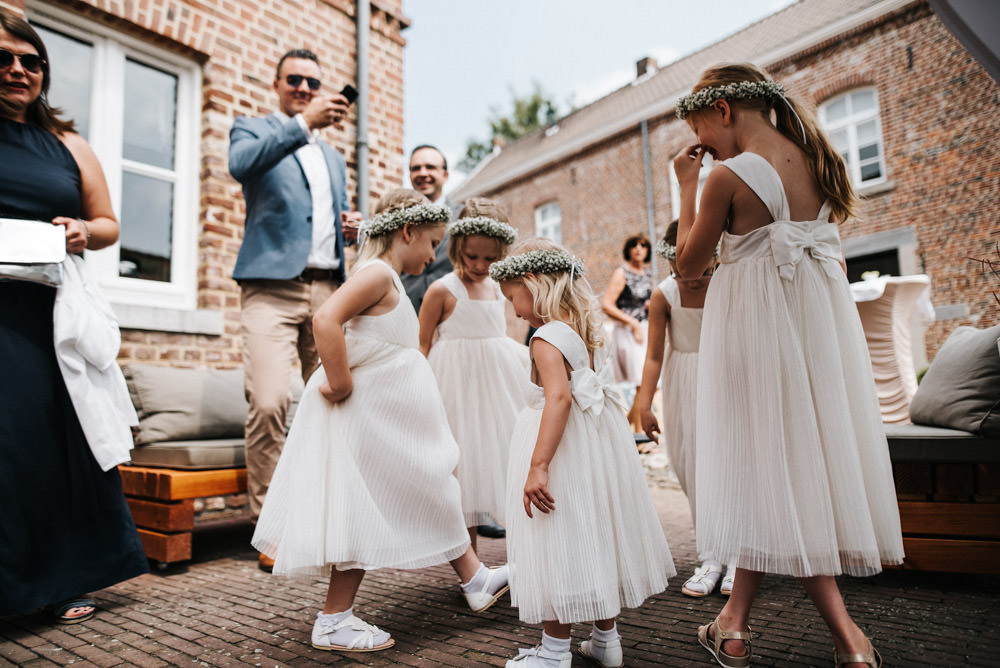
(941, 132)
(238, 43)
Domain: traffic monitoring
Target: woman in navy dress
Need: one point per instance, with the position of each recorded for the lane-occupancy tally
(65, 528)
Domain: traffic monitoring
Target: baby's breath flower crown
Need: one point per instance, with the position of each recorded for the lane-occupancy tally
(665, 250)
(669, 251)
(489, 227)
(543, 261)
(740, 90)
(419, 214)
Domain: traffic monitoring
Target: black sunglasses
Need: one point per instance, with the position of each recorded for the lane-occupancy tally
(295, 80)
(31, 61)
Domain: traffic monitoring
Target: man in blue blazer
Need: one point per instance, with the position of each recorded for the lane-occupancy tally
(292, 257)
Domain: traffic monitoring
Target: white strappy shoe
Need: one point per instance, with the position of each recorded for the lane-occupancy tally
(539, 657)
(493, 588)
(348, 635)
(703, 582)
(605, 654)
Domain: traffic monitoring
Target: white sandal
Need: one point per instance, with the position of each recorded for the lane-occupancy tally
(726, 588)
(494, 586)
(348, 635)
(703, 582)
(539, 657)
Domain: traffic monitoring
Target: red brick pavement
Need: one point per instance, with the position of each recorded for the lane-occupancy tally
(220, 610)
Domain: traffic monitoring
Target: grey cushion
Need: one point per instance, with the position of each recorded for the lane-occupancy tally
(220, 453)
(961, 389)
(175, 404)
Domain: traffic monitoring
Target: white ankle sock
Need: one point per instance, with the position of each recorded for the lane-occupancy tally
(337, 617)
(555, 645)
(478, 580)
(605, 636)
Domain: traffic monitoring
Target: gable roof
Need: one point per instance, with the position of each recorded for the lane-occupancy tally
(774, 38)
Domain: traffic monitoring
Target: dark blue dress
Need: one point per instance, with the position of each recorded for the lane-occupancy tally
(65, 528)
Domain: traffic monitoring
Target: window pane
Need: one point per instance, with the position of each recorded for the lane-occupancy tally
(70, 65)
(871, 171)
(836, 110)
(863, 101)
(839, 139)
(147, 211)
(150, 115)
(868, 152)
(867, 133)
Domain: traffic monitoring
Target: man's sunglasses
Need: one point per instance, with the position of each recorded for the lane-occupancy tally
(33, 62)
(293, 80)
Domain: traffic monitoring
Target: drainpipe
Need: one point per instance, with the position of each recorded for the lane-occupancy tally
(363, 27)
(650, 219)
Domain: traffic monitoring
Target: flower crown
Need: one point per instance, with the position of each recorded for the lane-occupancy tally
(669, 251)
(542, 261)
(740, 90)
(486, 226)
(419, 214)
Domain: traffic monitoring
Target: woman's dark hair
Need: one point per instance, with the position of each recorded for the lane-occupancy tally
(38, 112)
(637, 240)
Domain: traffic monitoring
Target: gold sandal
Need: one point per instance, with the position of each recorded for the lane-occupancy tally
(714, 645)
(870, 658)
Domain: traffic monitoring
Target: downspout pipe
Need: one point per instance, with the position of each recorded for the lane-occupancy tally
(363, 29)
(650, 218)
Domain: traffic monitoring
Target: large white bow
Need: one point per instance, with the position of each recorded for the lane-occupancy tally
(589, 391)
(790, 241)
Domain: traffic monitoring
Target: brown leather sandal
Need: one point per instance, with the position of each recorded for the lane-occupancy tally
(714, 645)
(870, 658)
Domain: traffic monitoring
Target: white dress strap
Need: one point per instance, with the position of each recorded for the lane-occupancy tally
(455, 285)
(671, 291)
(758, 174)
(569, 343)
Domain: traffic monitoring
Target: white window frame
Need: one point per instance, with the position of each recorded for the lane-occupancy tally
(544, 227)
(850, 123)
(111, 49)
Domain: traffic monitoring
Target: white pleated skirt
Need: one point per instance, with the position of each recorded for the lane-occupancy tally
(793, 471)
(483, 383)
(602, 548)
(366, 483)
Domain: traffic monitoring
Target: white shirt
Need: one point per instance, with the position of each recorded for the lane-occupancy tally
(324, 229)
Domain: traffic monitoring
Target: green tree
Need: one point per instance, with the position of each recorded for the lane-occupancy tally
(528, 113)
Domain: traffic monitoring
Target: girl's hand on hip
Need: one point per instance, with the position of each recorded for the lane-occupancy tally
(536, 491)
(335, 395)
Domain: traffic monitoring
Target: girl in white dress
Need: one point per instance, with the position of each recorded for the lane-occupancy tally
(481, 372)
(793, 467)
(675, 309)
(583, 539)
(365, 478)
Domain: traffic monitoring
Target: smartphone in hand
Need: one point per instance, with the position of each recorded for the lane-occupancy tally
(350, 92)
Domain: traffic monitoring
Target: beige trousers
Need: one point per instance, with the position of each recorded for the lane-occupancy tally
(276, 327)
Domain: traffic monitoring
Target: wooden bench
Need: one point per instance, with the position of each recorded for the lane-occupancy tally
(948, 490)
(162, 504)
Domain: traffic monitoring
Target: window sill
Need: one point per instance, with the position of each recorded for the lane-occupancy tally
(199, 321)
(876, 189)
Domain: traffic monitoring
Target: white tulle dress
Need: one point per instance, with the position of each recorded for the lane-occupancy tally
(601, 548)
(678, 387)
(792, 463)
(483, 377)
(367, 482)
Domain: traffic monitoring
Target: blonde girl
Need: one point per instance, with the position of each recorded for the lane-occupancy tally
(364, 480)
(583, 538)
(481, 372)
(675, 309)
(792, 464)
